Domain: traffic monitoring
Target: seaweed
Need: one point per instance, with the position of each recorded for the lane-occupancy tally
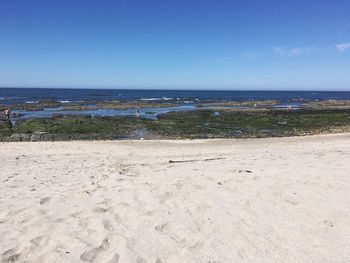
(182, 125)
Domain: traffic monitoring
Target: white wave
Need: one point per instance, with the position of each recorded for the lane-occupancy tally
(153, 99)
(166, 98)
(150, 99)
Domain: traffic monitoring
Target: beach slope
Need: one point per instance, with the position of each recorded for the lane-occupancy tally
(254, 200)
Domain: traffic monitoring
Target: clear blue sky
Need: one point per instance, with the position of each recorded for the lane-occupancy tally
(209, 44)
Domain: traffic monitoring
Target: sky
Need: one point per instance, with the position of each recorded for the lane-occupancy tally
(176, 44)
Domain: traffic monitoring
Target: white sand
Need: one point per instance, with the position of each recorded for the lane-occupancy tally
(267, 200)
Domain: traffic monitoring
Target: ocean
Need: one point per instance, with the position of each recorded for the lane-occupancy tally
(185, 100)
(10, 96)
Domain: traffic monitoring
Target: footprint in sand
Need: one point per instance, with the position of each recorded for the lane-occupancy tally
(91, 254)
(45, 200)
(164, 197)
(107, 225)
(100, 210)
(115, 258)
(197, 246)
(161, 228)
(38, 240)
(10, 255)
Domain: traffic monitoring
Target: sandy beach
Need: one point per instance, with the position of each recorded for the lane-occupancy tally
(253, 200)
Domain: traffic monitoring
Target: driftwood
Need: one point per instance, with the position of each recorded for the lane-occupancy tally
(190, 161)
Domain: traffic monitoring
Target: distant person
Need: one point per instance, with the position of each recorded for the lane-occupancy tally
(138, 113)
(7, 114)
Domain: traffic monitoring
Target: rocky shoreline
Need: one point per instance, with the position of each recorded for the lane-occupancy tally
(199, 124)
(122, 105)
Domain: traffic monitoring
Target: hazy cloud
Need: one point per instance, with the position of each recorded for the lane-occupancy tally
(279, 51)
(294, 51)
(252, 55)
(343, 46)
(298, 51)
(303, 50)
(222, 60)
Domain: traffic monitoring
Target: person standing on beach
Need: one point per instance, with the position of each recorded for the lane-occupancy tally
(7, 114)
(138, 112)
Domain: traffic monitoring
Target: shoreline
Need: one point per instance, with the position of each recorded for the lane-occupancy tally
(197, 124)
(195, 140)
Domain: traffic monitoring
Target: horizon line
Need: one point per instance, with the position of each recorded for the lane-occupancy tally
(183, 89)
